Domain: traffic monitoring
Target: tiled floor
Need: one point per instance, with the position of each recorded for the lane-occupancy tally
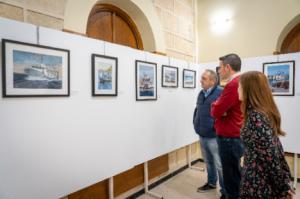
(185, 184)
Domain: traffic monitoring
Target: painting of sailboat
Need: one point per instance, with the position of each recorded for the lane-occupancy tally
(145, 80)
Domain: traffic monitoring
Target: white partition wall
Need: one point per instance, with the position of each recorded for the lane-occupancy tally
(51, 147)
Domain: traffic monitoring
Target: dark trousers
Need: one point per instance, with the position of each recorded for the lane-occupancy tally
(231, 151)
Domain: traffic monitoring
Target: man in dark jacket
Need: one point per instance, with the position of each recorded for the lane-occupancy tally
(204, 127)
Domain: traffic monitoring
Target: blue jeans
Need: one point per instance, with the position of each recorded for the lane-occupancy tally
(210, 153)
(231, 151)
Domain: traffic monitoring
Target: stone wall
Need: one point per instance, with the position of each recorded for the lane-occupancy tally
(47, 13)
(178, 24)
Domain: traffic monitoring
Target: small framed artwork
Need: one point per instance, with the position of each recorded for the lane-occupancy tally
(30, 70)
(221, 82)
(281, 77)
(169, 76)
(189, 78)
(146, 81)
(104, 75)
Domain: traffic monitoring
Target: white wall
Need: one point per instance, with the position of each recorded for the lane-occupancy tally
(289, 106)
(51, 147)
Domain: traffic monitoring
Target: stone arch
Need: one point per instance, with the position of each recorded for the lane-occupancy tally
(142, 12)
(286, 30)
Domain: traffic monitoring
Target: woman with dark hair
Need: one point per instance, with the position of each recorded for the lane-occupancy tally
(265, 173)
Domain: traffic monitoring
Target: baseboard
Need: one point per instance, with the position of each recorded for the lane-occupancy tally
(162, 180)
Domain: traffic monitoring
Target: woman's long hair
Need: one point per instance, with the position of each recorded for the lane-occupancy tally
(257, 94)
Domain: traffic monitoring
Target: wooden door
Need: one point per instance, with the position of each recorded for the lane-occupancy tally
(292, 41)
(109, 23)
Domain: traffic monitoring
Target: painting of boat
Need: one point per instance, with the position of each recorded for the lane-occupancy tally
(36, 71)
(105, 78)
(146, 86)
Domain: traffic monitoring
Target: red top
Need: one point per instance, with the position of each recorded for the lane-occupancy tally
(227, 111)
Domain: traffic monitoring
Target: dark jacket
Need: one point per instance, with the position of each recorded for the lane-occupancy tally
(203, 121)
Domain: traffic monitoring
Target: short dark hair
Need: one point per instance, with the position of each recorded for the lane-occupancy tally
(233, 60)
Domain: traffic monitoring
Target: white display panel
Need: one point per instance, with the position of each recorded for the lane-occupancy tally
(51, 147)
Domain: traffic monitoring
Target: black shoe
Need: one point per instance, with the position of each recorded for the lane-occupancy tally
(223, 196)
(206, 187)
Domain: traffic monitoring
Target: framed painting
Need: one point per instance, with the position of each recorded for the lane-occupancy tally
(146, 81)
(104, 75)
(30, 70)
(281, 77)
(189, 78)
(169, 76)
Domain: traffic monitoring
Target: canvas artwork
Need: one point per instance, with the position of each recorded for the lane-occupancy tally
(281, 77)
(189, 78)
(169, 76)
(104, 75)
(146, 81)
(31, 70)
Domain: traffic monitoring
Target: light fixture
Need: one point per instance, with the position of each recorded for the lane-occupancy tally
(221, 22)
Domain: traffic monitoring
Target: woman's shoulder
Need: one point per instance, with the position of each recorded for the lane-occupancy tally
(257, 116)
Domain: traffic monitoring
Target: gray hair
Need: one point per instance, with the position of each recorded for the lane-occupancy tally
(212, 75)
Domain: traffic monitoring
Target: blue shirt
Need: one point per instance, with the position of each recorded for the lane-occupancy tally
(207, 92)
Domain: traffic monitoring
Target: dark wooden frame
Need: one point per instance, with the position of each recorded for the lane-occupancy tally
(183, 78)
(162, 76)
(4, 66)
(292, 80)
(94, 56)
(136, 80)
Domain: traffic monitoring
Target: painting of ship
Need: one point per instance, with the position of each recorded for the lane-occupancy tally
(146, 81)
(36, 71)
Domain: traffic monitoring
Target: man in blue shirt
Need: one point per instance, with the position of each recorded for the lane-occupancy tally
(204, 127)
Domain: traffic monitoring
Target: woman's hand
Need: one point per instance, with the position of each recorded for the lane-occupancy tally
(291, 193)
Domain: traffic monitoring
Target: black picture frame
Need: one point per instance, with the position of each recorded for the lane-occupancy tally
(281, 77)
(149, 84)
(186, 83)
(108, 86)
(31, 70)
(164, 82)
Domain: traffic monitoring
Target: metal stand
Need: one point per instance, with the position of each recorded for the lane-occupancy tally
(155, 195)
(189, 156)
(111, 187)
(295, 169)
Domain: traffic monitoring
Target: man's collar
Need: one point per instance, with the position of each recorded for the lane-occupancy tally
(234, 76)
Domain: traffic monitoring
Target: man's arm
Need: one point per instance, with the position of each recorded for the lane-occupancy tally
(225, 101)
